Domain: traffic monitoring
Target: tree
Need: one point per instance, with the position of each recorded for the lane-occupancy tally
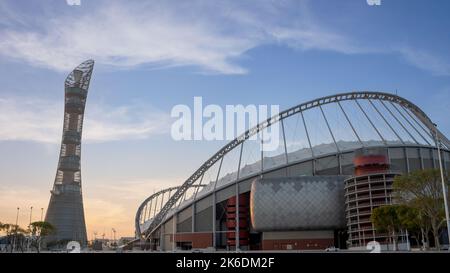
(2, 227)
(15, 236)
(385, 219)
(422, 190)
(39, 230)
(415, 222)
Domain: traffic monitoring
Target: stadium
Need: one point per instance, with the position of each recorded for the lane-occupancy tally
(337, 158)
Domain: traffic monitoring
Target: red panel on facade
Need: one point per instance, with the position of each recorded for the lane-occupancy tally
(198, 240)
(244, 225)
(366, 164)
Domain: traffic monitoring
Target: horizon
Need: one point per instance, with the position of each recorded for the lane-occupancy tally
(151, 57)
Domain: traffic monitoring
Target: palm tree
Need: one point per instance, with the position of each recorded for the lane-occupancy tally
(15, 235)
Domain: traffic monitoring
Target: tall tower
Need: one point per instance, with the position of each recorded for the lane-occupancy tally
(65, 210)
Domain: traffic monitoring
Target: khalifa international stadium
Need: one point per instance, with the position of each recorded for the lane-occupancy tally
(337, 158)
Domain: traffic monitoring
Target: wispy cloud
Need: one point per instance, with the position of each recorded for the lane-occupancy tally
(128, 34)
(210, 35)
(425, 61)
(32, 119)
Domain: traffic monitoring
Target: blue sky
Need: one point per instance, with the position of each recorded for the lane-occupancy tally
(152, 55)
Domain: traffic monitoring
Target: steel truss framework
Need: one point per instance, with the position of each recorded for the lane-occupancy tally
(149, 208)
(420, 123)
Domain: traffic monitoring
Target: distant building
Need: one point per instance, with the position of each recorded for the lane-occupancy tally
(124, 240)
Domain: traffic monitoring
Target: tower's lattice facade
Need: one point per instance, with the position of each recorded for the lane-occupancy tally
(65, 210)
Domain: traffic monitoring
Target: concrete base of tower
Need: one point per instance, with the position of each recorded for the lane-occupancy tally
(65, 212)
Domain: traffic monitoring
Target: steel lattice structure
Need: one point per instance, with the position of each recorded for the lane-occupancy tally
(65, 210)
(149, 208)
(399, 115)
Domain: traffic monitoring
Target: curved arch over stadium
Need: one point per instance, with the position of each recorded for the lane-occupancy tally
(317, 138)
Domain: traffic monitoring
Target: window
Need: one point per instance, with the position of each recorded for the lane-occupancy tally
(426, 157)
(414, 159)
(327, 166)
(348, 168)
(304, 168)
(398, 159)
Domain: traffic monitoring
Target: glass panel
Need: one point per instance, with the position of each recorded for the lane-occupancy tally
(230, 164)
(296, 140)
(412, 135)
(447, 161)
(209, 178)
(245, 186)
(348, 168)
(185, 226)
(319, 134)
(346, 138)
(184, 214)
(414, 159)
(407, 122)
(435, 159)
(203, 220)
(398, 160)
(419, 125)
(304, 168)
(251, 158)
(327, 166)
(274, 152)
(387, 133)
(396, 126)
(221, 222)
(363, 128)
(276, 174)
(426, 157)
(443, 153)
(190, 192)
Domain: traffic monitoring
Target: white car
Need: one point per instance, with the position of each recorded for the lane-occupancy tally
(331, 249)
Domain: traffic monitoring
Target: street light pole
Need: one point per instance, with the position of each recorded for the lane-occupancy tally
(31, 213)
(29, 227)
(17, 217)
(444, 191)
(15, 229)
(42, 213)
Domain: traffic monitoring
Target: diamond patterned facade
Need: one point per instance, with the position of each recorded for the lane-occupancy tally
(298, 203)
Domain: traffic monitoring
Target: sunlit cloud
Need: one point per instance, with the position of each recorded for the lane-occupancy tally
(37, 120)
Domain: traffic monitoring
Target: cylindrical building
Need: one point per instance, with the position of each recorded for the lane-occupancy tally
(369, 188)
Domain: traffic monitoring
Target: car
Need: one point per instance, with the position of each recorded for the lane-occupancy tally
(331, 249)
